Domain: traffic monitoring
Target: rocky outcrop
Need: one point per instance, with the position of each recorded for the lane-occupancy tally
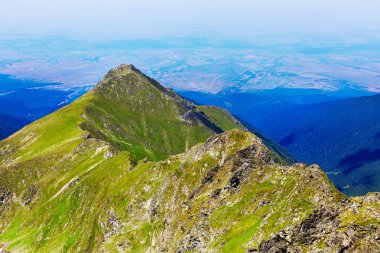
(324, 231)
(2, 248)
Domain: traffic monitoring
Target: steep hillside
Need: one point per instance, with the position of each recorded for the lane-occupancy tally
(341, 135)
(78, 181)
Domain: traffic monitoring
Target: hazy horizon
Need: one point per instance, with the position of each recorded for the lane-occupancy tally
(147, 19)
(196, 45)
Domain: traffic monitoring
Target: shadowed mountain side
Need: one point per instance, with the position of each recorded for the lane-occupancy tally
(9, 125)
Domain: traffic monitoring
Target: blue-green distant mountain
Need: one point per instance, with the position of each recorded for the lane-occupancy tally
(23, 101)
(339, 132)
(9, 125)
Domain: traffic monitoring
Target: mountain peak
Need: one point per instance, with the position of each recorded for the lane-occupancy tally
(123, 69)
(129, 80)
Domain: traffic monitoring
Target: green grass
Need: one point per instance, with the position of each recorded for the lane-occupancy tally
(222, 118)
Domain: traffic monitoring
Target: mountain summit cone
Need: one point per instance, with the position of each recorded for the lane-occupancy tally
(134, 112)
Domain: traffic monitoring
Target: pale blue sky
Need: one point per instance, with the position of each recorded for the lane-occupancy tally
(148, 18)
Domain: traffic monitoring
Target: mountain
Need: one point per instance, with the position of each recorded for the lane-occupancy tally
(340, 134)
(133, 112)
(133, 167)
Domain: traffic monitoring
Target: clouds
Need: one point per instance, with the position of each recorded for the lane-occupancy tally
(168, 17)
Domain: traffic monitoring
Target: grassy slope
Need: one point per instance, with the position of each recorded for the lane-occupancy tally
(222, 118)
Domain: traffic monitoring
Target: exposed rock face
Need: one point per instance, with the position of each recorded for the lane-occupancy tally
(112, 226)
(2, 248)
(325, 226)
(69, 188)
(190, 117)
(195, 117)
